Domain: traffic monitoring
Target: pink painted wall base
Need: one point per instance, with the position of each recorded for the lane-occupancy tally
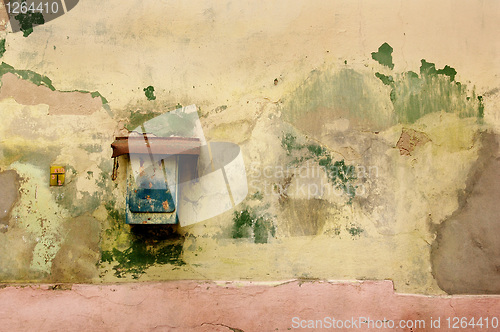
(231, 306)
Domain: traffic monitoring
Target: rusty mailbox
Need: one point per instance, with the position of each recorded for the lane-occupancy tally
(155, 166)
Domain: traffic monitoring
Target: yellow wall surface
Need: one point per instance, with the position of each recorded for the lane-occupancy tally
(300, 86)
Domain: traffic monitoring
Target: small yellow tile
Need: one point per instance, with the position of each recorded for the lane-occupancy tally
(57, 175)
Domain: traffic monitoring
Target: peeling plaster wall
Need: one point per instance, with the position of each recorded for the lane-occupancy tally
(355, 165)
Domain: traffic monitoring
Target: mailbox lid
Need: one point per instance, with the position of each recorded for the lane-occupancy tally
(147, 144)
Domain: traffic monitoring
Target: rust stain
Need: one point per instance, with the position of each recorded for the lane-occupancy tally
(165, 205)
(409, 140)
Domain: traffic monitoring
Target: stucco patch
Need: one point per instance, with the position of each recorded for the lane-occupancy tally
(27, 93)
(9, 193)
(466, 253)
(76, 260)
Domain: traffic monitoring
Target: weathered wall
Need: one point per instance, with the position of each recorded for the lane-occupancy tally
(363, 159)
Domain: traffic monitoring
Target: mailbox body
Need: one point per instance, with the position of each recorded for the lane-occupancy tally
(153, 175)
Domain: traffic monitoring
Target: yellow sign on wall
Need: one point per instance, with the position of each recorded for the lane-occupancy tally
(57, 175)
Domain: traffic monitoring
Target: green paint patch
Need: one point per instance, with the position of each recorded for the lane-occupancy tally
(116, 219)
(2, 47)
(384, 55)
(480, 107)
(91, 148)
(78, 202)
(150, 92)
(435, 90)
(257, 196)
(220, 108)
(37, 79)
(96, 94)
(429, 69)
(27, 75)
(387, 80)
(248, 223)
(41, 80)
(175, 124)
(27, 20)
(66, 197)
(137, 118)
(340, 175)
(41, 156)
(107, 256)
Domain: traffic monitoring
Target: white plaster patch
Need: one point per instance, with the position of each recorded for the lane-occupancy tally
(38, 213)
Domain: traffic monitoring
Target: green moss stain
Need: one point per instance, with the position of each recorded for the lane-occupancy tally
(289, 143)
(117, 217)
(243, 221)
(133, 251)
(139, 256)
(384, 55)
(340, 175)
(249, 223)
(107, 256)
(328, 95)
(150, 92)
(27, 20)
(2, 47)
(317, 150)
(354, 230)
(434, 90)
